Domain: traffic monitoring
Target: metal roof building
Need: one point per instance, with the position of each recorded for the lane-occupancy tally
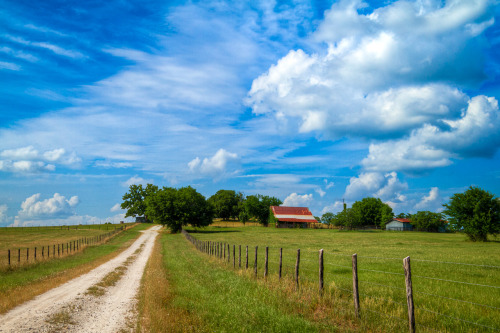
(289, 217)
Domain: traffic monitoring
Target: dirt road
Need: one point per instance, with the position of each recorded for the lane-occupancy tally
(73, 307)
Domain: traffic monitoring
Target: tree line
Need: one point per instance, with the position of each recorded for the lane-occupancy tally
(175, 208)
(475, 212)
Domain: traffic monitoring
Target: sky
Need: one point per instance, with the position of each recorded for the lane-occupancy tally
(313, 102)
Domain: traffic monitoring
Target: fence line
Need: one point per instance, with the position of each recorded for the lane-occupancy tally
(64, 249)
(306, 274)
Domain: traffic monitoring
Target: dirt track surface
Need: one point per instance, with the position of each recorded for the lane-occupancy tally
(67, 308)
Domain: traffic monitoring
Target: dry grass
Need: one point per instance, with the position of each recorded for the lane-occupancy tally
(156, 310)
(21, 294)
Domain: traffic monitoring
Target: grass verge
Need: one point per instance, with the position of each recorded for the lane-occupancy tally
(197, 293)
(19, 286)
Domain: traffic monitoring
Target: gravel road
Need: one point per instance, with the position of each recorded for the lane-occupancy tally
(68, 308)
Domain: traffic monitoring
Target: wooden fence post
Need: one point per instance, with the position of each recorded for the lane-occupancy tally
(409, 294)
(255, 263)
(228, 253)
(355, 292)
(281, 262)
(43, 250)
(321, 272)
(9, 257)
(234, 256)
(27, 254)
(239, 257)
(297, 263)
(246, 267)
(19, 256)
(35, 253)
(267, 262)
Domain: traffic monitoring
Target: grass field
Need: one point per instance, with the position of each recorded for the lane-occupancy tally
(19, 285)
(23, 238)
(456, 283)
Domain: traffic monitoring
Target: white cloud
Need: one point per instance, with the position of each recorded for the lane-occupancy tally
(390, 74)
(328, 184)
(216, 165)
(475, 134)
(387, 187)
(136, 180)
(117, 207)
(56, 207)
(336, 207)
(29, 160)
(320, 191)
(10, 66)
(296, 200)
(3, 213)
(432, 202)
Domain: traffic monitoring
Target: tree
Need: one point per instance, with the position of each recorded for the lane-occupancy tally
(425, 220)
(258, 206)
(225, 203)
(134, 199)
(176, 208)
(476, 212)
(328, 218)
(372, 211)
(347, 218)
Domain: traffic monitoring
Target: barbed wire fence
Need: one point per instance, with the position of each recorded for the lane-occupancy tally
(391, 293)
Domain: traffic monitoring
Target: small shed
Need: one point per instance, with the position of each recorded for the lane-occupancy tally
(292, 217)
(399, 224)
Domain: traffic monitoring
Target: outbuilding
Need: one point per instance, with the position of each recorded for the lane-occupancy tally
(292, 217)
(399, 224)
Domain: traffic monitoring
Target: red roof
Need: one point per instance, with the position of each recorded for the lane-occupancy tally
(402, 220)
(293, 214)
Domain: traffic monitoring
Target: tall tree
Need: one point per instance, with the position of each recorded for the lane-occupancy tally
(429, 221)
(476, 212)
(225, 204)
(176, 208)
(259, 206)
(134, 199)
(372, 211)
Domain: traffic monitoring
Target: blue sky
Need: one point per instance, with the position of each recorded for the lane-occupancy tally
(309, 101)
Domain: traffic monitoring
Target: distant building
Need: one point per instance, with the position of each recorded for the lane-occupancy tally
(140, 219)
(399, 224)
(292, 217)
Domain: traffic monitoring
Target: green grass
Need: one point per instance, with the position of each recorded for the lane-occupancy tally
(26, 275)
(31, 237)
(222, 301)
(381, 275)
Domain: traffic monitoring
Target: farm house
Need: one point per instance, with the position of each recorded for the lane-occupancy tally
(399, 224)
(292, 217)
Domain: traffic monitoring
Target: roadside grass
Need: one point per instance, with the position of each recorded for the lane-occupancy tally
(455, 282)
(20, 285)
(201, 295)
(24, 238)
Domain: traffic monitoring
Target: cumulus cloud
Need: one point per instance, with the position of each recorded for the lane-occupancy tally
(216, 165)
(33, 208)
(336, 207)
(387, 187)
(296, 200)
(397, 73)
(432, 202)
(30, 160)
(476, 134)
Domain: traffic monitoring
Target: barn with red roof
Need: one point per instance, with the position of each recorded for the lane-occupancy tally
(292, 217)
(399, 224)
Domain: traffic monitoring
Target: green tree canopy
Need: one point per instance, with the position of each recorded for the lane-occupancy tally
(328, 218)
(134, 199)
(258, 206)
(176, 208)
(425, 220)
(372, 211)
(476, 212)
(225, 204)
